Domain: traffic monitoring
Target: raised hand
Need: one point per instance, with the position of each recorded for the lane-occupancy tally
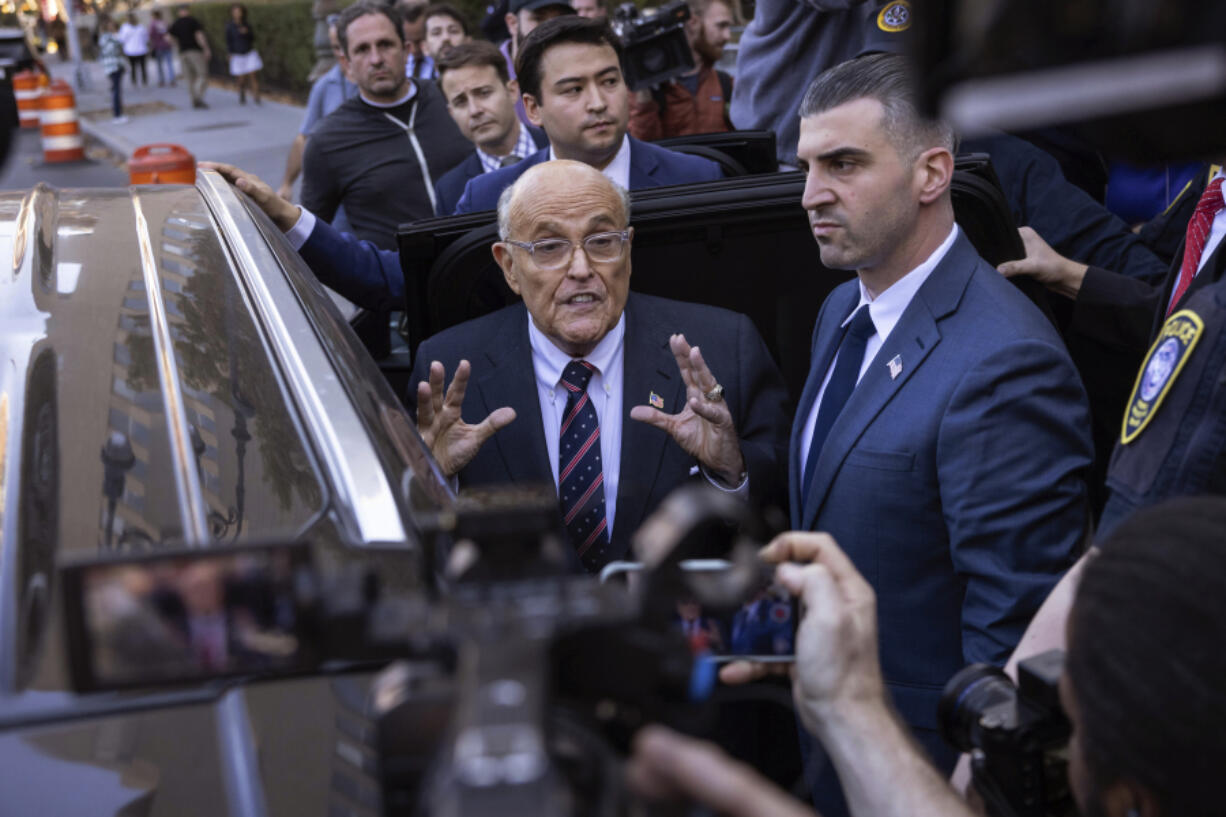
(704, 428)
(452, 441)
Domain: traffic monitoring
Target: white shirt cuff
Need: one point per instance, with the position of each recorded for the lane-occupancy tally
(302, 229)
(741, 490)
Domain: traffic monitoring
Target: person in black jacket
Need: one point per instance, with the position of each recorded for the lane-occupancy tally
(380, 153)
(245, 62)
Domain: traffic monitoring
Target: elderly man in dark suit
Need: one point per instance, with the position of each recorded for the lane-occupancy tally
(615, 398)
(943, 435)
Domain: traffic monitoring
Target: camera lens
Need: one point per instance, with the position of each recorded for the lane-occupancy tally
(967, 696)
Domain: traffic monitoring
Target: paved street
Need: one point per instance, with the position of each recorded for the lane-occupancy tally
(256, 138)
(25, 167)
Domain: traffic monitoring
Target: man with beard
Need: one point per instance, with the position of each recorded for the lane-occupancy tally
(380, 153)
(696, 102)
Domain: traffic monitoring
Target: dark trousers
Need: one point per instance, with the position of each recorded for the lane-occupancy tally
(116, 93)
(138, 64)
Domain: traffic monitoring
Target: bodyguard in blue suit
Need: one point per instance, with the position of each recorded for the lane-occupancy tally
(943, 434)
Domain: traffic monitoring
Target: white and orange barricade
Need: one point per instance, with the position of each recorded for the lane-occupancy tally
(28, 92)
(62, 139)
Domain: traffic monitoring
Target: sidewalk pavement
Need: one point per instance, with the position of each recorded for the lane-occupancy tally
(256, 138)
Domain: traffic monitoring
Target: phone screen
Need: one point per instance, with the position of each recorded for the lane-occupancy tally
(761, 629)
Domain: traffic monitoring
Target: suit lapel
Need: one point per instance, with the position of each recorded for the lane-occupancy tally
(911, 341)
(508, 380)
(643, 166)
(648, 367)
(826, 339)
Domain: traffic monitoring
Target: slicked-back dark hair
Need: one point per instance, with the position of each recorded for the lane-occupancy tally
(361, 9)
(569, 28)
(475, 52)
(889, 79)
(1146, 656)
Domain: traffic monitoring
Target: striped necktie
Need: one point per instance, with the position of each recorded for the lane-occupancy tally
(1198, 233)
(580, 475)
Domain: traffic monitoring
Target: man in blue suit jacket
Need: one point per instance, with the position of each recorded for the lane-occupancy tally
(943, 434)
(569, 72)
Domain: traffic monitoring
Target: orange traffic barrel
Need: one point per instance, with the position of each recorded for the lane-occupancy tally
(27, 92)
(62, 139)
(161, 164)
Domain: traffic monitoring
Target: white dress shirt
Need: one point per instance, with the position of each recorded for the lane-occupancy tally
(604, 391)
(616, 171)
(885, 311)
(1216, 231)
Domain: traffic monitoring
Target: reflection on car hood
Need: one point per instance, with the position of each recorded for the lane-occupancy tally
(138, 406)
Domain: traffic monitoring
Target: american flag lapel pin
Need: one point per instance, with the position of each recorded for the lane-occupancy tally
(656, 401)
(895, 366)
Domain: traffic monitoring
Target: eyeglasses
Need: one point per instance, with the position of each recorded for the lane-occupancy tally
(551, 253)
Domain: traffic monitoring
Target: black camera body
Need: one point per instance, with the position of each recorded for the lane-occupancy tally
(1017, 735)
(654, 48)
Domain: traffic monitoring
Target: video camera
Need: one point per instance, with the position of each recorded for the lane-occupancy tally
(513, 686)
(654, 47)
(1017, 735)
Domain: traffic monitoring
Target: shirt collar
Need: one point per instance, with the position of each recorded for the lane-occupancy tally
(886, 309)
(524, 147)
(549, 361)
(616, 171)
(409, 94)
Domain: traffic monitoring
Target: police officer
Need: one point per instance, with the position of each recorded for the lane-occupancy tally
(1173, 438)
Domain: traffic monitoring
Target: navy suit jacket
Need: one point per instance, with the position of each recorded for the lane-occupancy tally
(652, 464)
(451, 184)
(650, 166)
(957, 485)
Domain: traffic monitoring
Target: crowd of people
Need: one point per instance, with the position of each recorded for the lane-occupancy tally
(962, 474)
(125, 48)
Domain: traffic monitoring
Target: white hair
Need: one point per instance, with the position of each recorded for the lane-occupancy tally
(504, 202)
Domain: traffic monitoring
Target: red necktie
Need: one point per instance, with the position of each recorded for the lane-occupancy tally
(1198, 232)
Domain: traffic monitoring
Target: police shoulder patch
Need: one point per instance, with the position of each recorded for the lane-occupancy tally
(895, 16)
(1159, 369)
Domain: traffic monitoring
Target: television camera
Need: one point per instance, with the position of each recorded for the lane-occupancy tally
(508, 685)
(654, 46)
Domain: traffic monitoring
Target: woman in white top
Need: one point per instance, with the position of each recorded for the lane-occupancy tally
(135, 39)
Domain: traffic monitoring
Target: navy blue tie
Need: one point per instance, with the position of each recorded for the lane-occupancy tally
(580, 475)
(842, 384)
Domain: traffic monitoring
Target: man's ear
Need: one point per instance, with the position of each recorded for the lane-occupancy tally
(344, 61)
(533, 110)
(512, 22)
(513, 88)
(502, 255)
(934, 172)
